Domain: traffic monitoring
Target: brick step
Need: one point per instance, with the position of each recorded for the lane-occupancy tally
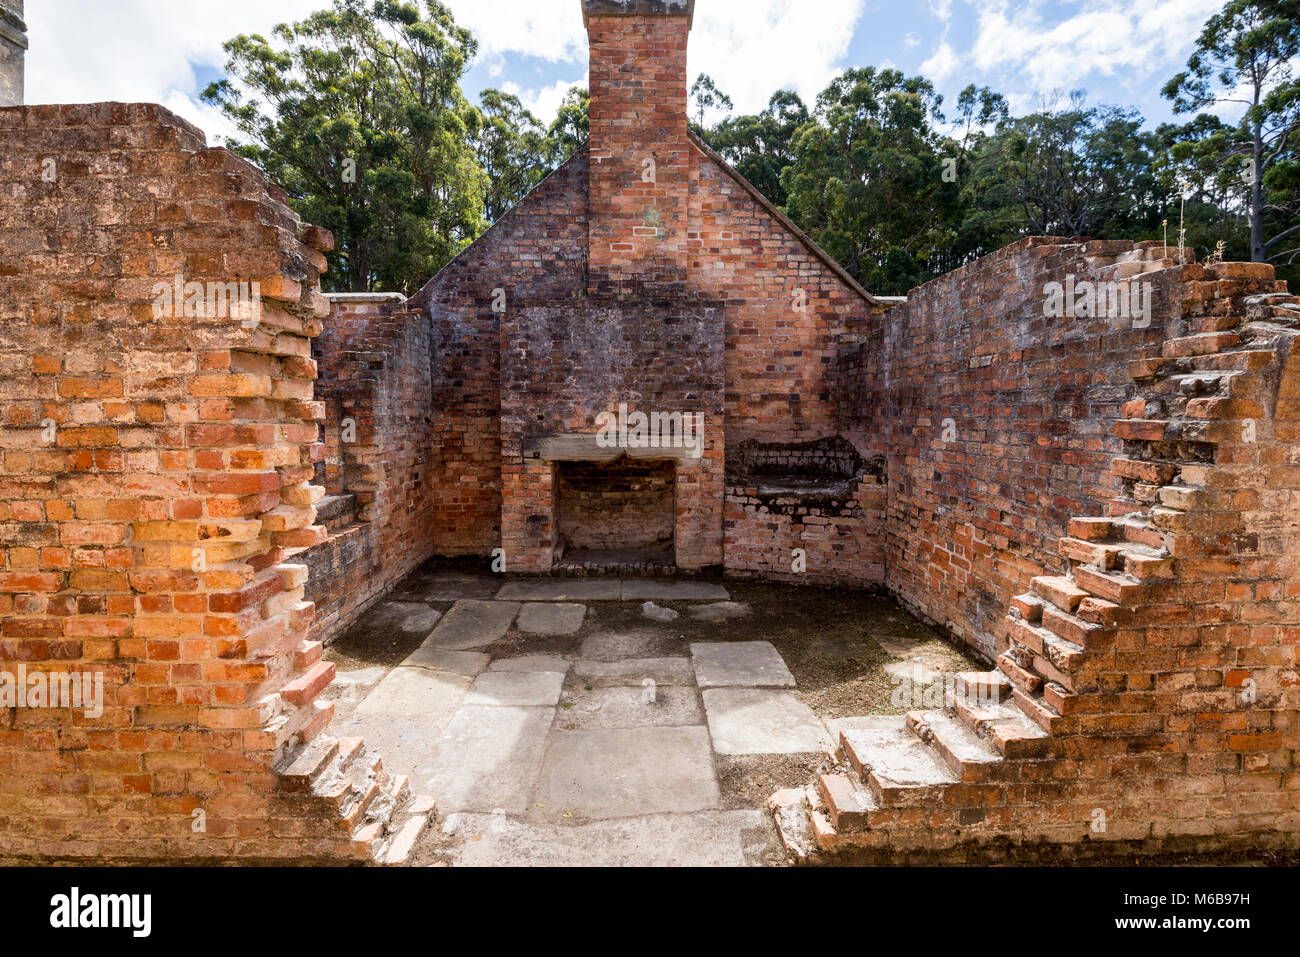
(984, 685)
(1059, 591)
(1209, 324)
(1206, 343)
(848, 803)
(792, 813)
(1238, 360)
(1074, 631)
(1103, 555)
(1019, 677)
(1118, 588)
(1134, 532)
(1004, 725)
(1039, 712)
(898, 768)
(305, 685)
(302, 768)
(307, 654)
(416, 818)
(1199, 384)
(1028, 606)
(1144, 470)
(968, 756)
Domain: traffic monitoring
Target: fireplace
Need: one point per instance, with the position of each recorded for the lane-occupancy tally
(620, 513)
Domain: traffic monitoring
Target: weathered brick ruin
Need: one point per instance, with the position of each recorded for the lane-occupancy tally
(192, 503)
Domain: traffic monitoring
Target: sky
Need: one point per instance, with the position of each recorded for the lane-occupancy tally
(1121, 52)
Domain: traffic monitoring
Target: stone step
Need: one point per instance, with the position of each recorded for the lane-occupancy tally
(899, 768)
(967, 755)
(1004, 725)
(1059, 591)
(848, 803)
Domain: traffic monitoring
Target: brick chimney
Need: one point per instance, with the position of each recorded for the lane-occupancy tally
(640, 159)
(13, 48)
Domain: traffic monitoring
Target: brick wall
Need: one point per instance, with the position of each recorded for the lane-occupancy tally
(375, 364)
(639, 153)
(995, 423)
(154, 492)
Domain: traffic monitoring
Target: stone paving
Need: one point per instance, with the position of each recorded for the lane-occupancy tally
(604, 753)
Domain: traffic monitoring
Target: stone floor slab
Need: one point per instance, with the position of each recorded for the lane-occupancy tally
(632, 671)
(488, 758)
(761, 721)
(719, 611)
(531, 663)
(578, 589)
(702, 839)
(740, 664)
(410, 617)
(626, 773)
(656, 589)
(473, 624)
(635, 706)
(550, 618)
(433, 658)
(648, 642)
(403, 716)
(519, 689)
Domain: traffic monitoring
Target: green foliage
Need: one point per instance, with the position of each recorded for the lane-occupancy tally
(759, 147)
(358, 114)
(866, 181)
(1245, 58)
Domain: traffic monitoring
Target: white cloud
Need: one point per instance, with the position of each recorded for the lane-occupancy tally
(550, 29)
(911, 41)
(1112, 38)
(544, 103)
(941, 64)
(753, 47)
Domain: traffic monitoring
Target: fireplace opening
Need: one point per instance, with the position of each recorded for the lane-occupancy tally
(616, 516)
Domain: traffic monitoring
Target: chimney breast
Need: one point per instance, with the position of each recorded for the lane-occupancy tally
(13, 48)
(639, 146)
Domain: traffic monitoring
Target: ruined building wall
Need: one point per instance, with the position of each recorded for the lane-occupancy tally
(375, 364)
(535, 253)
(154, 494)
(994, 421)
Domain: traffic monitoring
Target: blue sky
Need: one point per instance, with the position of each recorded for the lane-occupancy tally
(1120, 51)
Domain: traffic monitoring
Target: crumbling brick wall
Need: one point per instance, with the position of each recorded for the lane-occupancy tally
(155, 491)
(375, 383)
(995, 422)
